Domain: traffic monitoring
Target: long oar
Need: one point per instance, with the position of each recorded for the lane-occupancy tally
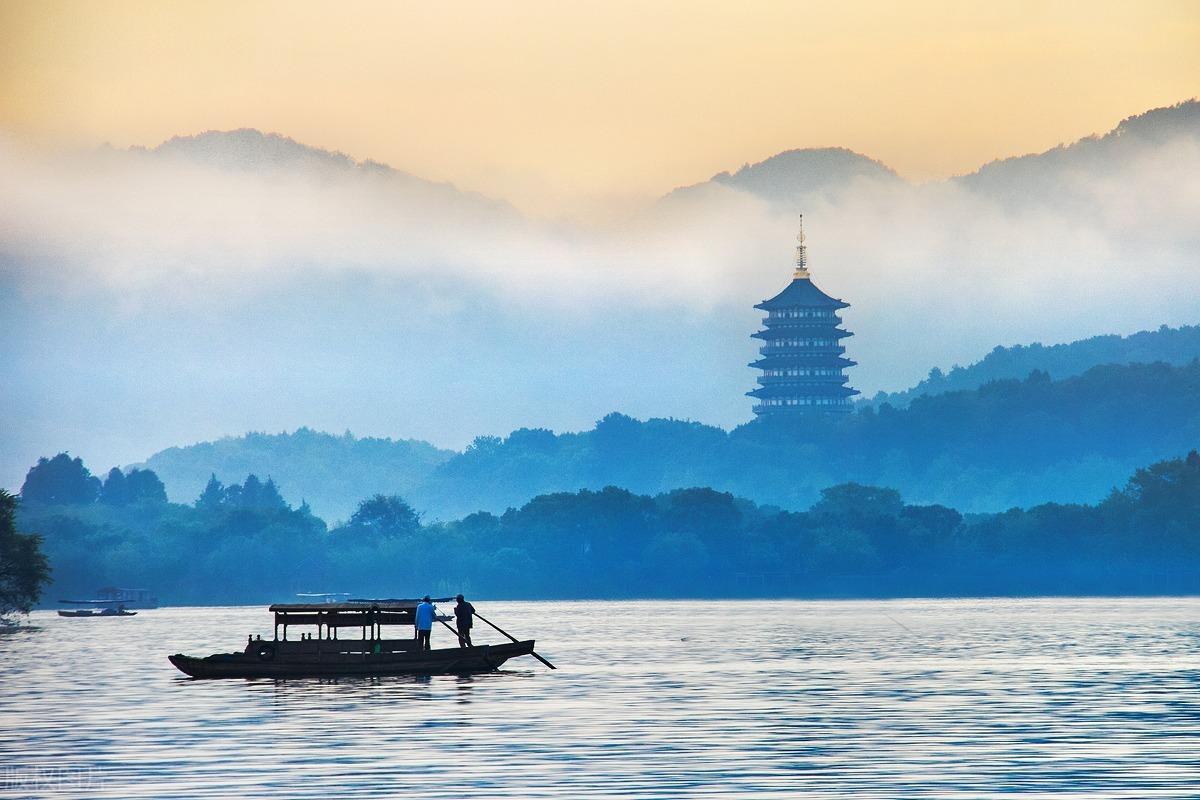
(513, 638)
(446, 625)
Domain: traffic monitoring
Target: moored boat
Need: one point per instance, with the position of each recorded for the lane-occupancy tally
(96, 612)
(112, 597)
(325, 654)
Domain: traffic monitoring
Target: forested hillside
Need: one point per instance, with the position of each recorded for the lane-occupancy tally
(1169, 345)
(328, 472)
(242, 543)
(1007, 443)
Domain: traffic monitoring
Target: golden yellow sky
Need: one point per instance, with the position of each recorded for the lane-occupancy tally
(539, 101)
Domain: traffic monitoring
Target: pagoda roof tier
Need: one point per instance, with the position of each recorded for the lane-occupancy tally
(801, 380)
(832, 350)
(802, 322)
(801, 293)
(780, 333)
(778, 361)
(821, 390)
(838, 408)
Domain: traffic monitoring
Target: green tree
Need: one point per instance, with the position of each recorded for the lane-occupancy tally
(484, 445)
(855, 501)
(23, 567)
(61, 480)
(145, 487)
(269, 497)
(115, 491)
(711, 517)
(384, 515)
(139, 486)
(1164, 501)
(251, 494)
(254, 494)
(213, 495)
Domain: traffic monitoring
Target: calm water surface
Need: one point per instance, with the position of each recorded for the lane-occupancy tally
(898, 699)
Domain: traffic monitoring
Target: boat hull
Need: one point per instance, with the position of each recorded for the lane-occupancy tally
(90, 614)
(448, 661)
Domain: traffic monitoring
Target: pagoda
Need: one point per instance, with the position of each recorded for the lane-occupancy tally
(802, 355)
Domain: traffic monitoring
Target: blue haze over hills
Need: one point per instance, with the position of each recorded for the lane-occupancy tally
(237, 281)
(1011, 442)
(1175, 346)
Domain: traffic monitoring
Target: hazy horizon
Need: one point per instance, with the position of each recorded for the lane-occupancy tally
(590, 105)
(213, 285)
(195, 295)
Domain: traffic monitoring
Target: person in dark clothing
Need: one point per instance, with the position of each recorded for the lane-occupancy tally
(463, 614)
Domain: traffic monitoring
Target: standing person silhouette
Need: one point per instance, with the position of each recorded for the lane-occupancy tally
(425, 614)
(463, 614)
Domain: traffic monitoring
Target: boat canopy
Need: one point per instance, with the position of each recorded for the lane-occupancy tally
(357, 604)
(357, 613)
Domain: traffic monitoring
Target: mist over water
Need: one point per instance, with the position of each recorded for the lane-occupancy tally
(956, 698)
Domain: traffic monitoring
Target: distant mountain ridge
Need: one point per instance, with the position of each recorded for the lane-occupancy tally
(1007, 443)
(249, 148)
(1083, 412)
(786, 178)
(1152, 128)
(331, 473)
(1176, 346)
(252, 150)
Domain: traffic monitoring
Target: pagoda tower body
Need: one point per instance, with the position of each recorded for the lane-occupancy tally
(802, 354)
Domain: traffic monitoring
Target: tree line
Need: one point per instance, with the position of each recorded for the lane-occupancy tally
(244, 543)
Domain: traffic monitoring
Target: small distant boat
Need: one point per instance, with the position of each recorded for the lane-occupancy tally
(325, 655)
(96, 612)
(110, 601)
(112, 597)
(324, 597)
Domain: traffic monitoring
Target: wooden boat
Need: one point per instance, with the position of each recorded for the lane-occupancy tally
(93, 612)
(327, 655)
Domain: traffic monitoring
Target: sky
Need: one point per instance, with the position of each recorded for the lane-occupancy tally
(576, 106)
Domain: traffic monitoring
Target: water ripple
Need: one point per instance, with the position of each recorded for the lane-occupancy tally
(916, 699)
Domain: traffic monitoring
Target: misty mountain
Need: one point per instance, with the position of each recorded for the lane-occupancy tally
(791, 176)
(1176, 346)
(250, 149)
(795, 176)
(1062, 169)
(253, 151)
(1007, 443)
(240, 281)
(330, 473)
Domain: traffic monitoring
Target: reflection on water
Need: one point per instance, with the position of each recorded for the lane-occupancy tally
(947, 699)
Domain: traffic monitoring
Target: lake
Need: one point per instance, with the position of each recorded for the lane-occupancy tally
(1092, 698)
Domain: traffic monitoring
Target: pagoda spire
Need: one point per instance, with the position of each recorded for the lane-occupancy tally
(801, 254)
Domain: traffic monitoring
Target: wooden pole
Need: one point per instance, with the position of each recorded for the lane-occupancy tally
(514, 639)
(446, 625)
